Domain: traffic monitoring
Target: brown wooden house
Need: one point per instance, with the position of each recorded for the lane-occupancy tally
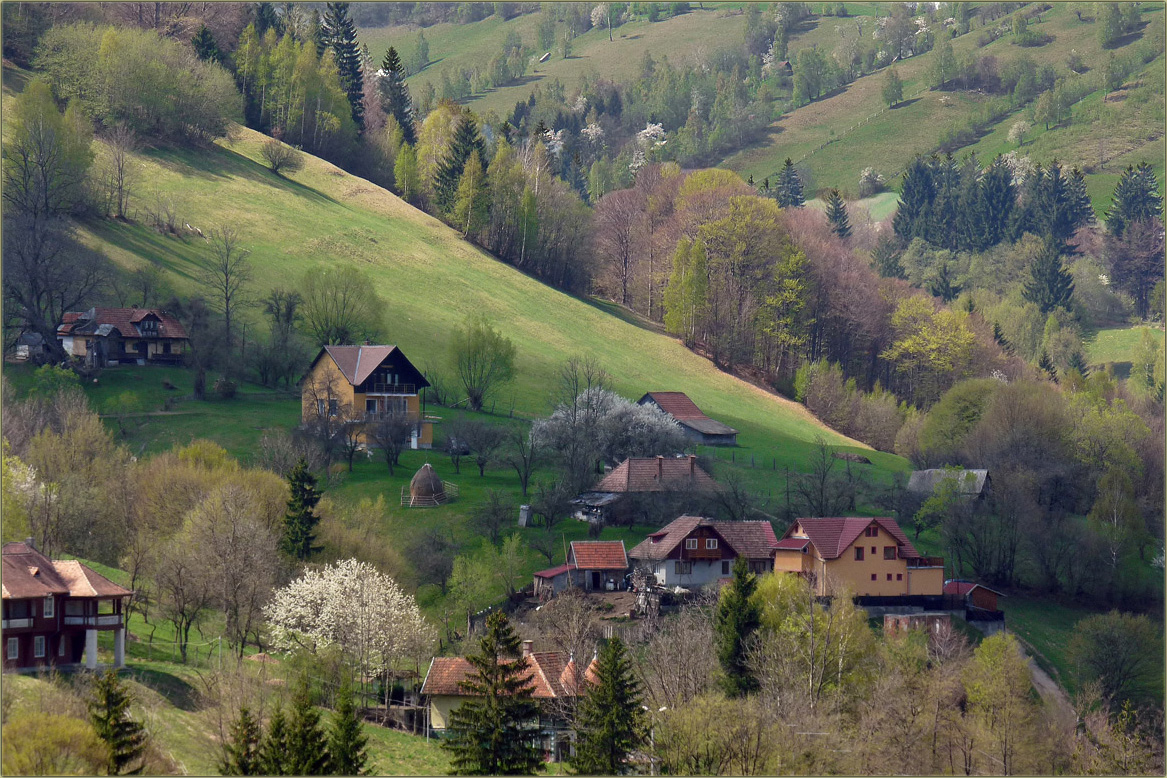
(614, 497)
(126, 336)
(54, 609)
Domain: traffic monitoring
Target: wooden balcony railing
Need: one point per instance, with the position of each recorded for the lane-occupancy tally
(391, 389)
(16, 623)
(104, 620)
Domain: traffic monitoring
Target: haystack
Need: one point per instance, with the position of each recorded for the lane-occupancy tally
(427, 490)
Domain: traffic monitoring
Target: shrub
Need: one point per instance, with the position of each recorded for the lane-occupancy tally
(225, 388)
(870, 182)
(280, 156)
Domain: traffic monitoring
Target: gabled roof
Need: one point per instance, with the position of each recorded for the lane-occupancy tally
(29, 573)
(357, 363)
(833, 536)
(751, 539)
(599, 555)
(926, 481)
(680, 407)
(792, 544)
(964, 588)
(546, 673)
(656, 474)
(102, 321)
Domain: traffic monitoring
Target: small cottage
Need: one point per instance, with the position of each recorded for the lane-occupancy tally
(697, 427)
(125, 336)
(610, 499)
(592, 565)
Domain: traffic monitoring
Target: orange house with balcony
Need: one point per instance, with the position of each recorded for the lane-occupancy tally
(871, 557)
(364, 385)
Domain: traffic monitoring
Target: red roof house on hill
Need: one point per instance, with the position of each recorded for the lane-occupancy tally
(694, 551)
(637, 476)
(869, 556)
(111, 336)
(590, 565)
(696, 425)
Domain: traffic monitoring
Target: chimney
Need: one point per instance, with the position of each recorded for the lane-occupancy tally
(28, 542)
(527, 646)
(368, 342)
(692, 466)
(660, 468)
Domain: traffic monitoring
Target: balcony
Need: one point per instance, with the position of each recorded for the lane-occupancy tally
(925, 561)
(16, 623)
(407, 389)
(108, 620)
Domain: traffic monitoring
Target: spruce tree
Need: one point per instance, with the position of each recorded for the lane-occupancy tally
(943, 285)
(340, 33)
(734, 622)
(1078, 362)
(307, 743)
(395, 99)
(317, 35)
(837, 215)
(300, 521)
(1045, 363)
(466, 141)
(205, 47)
(995, 205)
(1049, 284)
(265, 18)
(346, 742)
(241, 751)
(1136, 197)
(489, 733)
(999, 337)
(886, 258)
(109, 711)
(917, 192)
(789, 189)
(273, 749)
(610, 721)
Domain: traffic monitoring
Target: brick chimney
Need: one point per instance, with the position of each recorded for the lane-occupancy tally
(660, 468)
(692, 466)
(527, 647)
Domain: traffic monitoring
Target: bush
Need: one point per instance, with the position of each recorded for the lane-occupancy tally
(225, 388)
(870, 182)
(280, 156)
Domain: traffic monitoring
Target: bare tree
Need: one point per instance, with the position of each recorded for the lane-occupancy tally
(522, 455)
(484, 440)
(679, 662)
(280, 156)
(495, 513)
(820, 491)
(183, 586)
(570, 623)
(226, 274)
(618, 222)
(326, 415)
(119, 170)
(390, 433)
(552, 501)
(434, 553)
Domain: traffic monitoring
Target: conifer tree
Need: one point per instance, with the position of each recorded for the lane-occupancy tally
(917, 192)
(1002, 341)
(241, 751)
(109, 712)
(789, 189)
(340, 33)
(886, 258)
(317, 35)
(205, 47)
(1136, 197)
(346, 742)
(837, 215)
(395, 99)
(489, 732)
(273, 749)
(300, 521)
(1047, 364)
(265, 19)
(995, 204)
(735, 620)
(1078, 362)
(943, 285)
(307, 743)
(466, 141)
(1049, 285)
(610, 721)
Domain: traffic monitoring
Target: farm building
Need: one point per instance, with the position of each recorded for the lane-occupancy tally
(123, 336)
(613, 498)
(973, 483)
(694, 551)
(592, 565)
(697, 427)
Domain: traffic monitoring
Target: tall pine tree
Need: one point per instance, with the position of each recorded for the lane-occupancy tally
(1049, 284)
(307, 743)
(610, 721)
(1045, 363)
(942, 284)
(346, 741)
(490, 731)
(273, 750)
(205, 47)
(395, 99)
(300, 521)
(109, 711)
(837, 214)
(918, 190)
(886, 257)
(241, 751)
(788, 192)
(1136, 198)
(734, 622)
(466, 141)
(340, 34)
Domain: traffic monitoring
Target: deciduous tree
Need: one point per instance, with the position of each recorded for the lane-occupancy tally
(483, 357)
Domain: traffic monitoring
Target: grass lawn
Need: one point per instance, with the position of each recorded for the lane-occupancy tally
(1118, 345)
(1047, 627)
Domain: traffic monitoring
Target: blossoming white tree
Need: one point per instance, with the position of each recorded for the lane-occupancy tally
(352, 606)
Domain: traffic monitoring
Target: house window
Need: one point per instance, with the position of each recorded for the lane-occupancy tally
(871, 532)
(13, 648)
(691, 544)
(725, 568)
(61, 646)
(710, 544)
(873, 552)
(858, 553)
(899, 576)
(370, 406)
(49, 610)
(873, 576)
(683, 568)
(321, 407)
(333, 407)
(38, 646)
(889, 576)
(889, 552)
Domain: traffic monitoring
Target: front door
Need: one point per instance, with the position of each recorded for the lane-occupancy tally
(597, 584)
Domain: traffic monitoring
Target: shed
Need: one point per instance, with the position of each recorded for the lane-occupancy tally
(427, 490)
(973, 483)
(974, 594)
(697, 427)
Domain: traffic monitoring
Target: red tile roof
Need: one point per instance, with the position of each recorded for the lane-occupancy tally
(833, 536)
(124, 320)
(751, 539)
(656, 474)
(357, 363)
(599, 554)
(551, 572)
(547, 674)
(676, 404)
(962, 588)
(28, 573)
(796, 544)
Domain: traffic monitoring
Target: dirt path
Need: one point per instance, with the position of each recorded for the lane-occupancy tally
(1052, 695)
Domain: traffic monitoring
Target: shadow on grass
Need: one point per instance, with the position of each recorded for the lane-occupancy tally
(905, 103)
(173, 254)
(177, 692)
(213, 162)
(621, 313)
(15, 80)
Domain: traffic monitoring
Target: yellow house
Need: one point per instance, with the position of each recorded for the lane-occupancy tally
(364, 385)
(869, 556)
